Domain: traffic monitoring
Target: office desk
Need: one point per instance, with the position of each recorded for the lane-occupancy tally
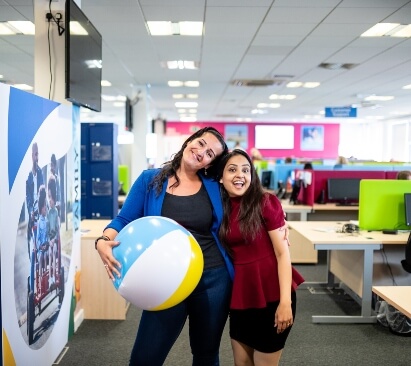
(397, 296)
(302, 210)
(313, 212)
(99, 297)
(322, 235)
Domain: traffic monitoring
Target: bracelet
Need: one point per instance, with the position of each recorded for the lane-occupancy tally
(104, 237)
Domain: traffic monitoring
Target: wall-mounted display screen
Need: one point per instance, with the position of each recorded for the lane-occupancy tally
(83, 59)
(274, 137)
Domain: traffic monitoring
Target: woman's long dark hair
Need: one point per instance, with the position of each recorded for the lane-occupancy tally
(250, 215)
(169, 168)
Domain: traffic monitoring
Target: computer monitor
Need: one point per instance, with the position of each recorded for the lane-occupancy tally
(382, 204)
(344, 191)
(407, 207)
(266, 178)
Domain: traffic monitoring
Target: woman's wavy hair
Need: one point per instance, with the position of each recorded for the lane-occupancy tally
(169, 168)
(250, 216)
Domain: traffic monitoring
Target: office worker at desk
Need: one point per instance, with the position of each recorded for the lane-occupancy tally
(263, 301)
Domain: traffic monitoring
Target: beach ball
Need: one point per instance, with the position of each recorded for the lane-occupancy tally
(161, 263)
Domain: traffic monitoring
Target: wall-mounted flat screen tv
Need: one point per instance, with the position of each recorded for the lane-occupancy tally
(274, 137)
(83, 59)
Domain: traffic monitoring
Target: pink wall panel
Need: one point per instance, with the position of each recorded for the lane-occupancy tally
(331, 138)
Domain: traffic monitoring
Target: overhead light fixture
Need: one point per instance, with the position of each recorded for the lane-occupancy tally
(380, 98)
(282, 96)
(105, 83)
(388, 30)
(268, 105)
(180, 64)
(17, 27)
(311, 84)
(167, 28)
(188, 119)
(299, 84)
(404, 87)
(186, 104)
(178, 96)
(118, 104)
(177, 83)
(294, 84)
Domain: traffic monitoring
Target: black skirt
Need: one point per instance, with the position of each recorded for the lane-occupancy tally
(255, 327)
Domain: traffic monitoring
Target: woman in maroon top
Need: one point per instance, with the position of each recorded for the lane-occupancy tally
(263, 300)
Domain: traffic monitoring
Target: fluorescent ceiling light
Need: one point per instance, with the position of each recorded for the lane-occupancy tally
(381, 98)
(186, 104)
(191, 28)
(188, 119)
(175, 83)
(77, 29)
(166, 28)
(180, 64)
(1, 76)
(388, 30)
(294, 84)
(404, 87)
(282, 96)
(192, 110)
(192, 84)
(105, 83)
(17, 27)
(268, 105)
(311, 84)
(118, 104)
(192, 96)
(23, 86)
(178, 96)
(401, 31)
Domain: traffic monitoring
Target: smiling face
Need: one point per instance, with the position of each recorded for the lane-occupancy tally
(236, 176)
(200, 152)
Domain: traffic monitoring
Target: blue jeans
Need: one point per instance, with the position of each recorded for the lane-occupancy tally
(207, 309)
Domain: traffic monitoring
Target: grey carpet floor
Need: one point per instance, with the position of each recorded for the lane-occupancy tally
(99, 342)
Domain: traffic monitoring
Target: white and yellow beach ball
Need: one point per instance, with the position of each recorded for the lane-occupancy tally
(161, 263)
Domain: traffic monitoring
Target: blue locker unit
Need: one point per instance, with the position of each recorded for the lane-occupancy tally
(99, 170)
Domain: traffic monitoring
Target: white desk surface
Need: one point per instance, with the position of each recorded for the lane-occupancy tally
(397, 296)
(325, 232)
(324, 235)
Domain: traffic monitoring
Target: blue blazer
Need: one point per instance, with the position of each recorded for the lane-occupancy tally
(142, 201)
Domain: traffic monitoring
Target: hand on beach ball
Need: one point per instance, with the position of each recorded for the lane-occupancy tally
(161, 263)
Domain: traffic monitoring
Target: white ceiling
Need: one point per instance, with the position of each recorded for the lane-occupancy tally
(243, 39)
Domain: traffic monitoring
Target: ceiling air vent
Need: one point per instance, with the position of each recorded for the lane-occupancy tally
(336, 66)
(257, 82)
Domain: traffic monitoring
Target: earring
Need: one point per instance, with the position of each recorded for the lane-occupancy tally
(205, 171)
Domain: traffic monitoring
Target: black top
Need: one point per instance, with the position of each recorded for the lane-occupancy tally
(195, 213)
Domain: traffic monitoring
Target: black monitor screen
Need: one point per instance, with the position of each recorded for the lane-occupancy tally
(407, 205)
(266, 179)
(344, 190)
(83, 59)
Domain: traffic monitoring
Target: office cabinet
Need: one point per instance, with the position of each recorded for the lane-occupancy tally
(99, 170)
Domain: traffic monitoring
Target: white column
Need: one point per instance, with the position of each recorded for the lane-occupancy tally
(141, 126)
(44, 73)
